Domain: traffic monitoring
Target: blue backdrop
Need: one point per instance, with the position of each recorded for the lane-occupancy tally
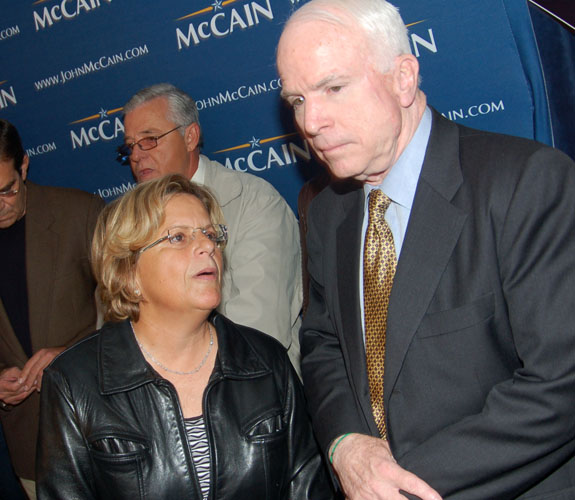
(68, 66)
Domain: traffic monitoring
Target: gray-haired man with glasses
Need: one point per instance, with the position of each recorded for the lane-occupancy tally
(46, 290)
(262, 277)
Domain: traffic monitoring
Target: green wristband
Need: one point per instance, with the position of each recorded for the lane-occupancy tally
(335, 446)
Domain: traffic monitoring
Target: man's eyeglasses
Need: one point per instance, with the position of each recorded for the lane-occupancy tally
(182, 236)
(145, 144)
(9, 193)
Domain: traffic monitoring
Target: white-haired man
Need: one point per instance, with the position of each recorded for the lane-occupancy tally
(437, 347)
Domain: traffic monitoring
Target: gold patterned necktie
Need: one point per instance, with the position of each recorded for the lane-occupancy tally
(379, 263)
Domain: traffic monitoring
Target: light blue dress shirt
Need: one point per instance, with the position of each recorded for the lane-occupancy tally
(399, 185)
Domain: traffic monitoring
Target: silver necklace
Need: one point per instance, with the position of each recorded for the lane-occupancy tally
(169, 370)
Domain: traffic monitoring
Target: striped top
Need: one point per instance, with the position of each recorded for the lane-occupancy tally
(198, 439)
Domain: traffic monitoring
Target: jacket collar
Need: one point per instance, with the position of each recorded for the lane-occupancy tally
(236, 358)
(122, 366)
(225, 183)
(434, 228)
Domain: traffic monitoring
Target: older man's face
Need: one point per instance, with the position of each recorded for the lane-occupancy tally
(346, 109)
(170, 156)
(12, 206)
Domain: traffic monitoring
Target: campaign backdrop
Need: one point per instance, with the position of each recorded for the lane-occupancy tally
(68, 66)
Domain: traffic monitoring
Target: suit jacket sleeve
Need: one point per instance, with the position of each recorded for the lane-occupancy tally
(332, 398)
(309, 477)
(525, 428)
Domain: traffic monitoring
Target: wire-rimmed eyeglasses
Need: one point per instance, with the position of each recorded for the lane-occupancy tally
(145, 144)
(182, 236)
(8, 193)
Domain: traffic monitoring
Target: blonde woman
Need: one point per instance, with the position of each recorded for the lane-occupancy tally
(170, 399)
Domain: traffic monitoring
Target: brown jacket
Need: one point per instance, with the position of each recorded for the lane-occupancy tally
(59, 227)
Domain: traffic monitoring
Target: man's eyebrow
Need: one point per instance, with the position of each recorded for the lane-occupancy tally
(147, 132)
(324, 82)
(285, 95)
(8, 186)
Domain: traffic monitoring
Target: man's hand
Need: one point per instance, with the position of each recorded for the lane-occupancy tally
(16, 385)
(12, 391)
(31, 375)
(367, 471)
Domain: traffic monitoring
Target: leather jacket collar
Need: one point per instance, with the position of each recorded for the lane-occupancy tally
(123, 367)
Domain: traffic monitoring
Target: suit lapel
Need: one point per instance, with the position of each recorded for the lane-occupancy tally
(41, 252)
(432, 233)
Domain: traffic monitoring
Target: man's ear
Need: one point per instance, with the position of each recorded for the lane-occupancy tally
(406, 79)
(25, 163)
(192, 136)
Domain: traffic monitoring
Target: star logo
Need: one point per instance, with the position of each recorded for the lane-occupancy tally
(103, 113)
(255, 143)
(217, 5)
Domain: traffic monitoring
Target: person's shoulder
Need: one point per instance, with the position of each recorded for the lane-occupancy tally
(266, 346)
(338, 190)
(491, 160)
(248, 183)
(78, 359)
(497, 160)
(497, 143)
(490, 148)
(65, 195)
(334, 201)
(497, 168)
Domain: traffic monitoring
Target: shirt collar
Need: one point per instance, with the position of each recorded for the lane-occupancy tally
(401, 181)
(199, 176)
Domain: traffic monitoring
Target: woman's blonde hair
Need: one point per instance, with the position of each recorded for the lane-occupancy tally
(126, 226)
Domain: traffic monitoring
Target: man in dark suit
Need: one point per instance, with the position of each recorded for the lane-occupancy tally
(467, 387)
(46, 292)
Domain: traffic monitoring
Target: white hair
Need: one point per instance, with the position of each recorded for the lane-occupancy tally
(379, 20)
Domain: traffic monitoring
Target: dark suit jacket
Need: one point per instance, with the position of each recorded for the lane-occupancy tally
(59, 227)
(479, 382)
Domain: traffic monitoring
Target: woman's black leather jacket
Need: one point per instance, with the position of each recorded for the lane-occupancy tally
(112, 428)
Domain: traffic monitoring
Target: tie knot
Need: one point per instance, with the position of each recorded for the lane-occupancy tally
(378, 203)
